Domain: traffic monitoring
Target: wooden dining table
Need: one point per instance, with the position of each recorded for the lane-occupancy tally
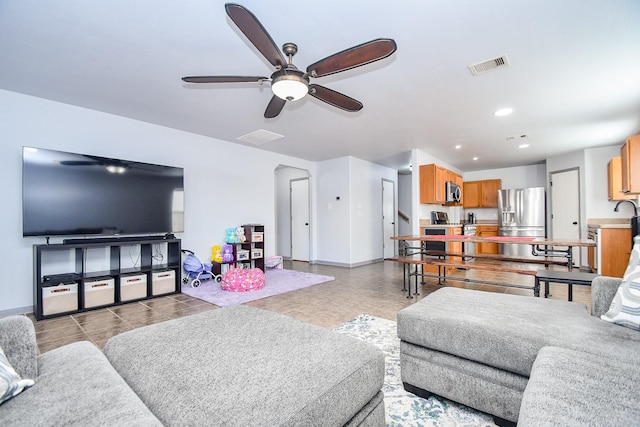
(543, 250)
(540, 246)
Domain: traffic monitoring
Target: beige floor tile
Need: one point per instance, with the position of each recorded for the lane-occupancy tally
(374, 289)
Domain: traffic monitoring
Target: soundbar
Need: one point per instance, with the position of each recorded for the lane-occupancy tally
(117, 239)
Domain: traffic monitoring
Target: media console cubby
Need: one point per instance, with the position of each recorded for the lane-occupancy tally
(76, 277)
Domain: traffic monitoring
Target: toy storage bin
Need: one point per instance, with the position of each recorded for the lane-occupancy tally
(257, 236)
(256, 253)
(163, 282)
(242, 255)
(59, 298)
(133, 286)
(99, 292)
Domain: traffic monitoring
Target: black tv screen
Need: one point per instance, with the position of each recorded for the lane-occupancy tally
(79, 194)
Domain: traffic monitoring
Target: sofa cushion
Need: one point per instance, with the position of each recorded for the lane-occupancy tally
(625, 307)
(568, 387)
(507, 331)
(246, 366)
(18, 340)
(11, 384)
(76, 385)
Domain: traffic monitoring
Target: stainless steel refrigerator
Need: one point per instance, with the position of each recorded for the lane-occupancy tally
(521, 213)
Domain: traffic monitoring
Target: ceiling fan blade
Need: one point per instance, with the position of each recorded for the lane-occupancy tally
(224, 79)
(275, 106)
(255, 32)
(353, 57)
(334, 98)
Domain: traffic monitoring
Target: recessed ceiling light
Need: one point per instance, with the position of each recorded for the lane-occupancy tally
(503, 112)
(475, 158)
(523, 145)
(458, 147)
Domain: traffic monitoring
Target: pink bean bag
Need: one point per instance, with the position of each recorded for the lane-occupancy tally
(243, 280)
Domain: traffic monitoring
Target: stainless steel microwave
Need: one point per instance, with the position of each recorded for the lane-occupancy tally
(453, 192)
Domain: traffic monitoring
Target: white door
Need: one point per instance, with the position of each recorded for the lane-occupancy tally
(300, 219)
(388, 218)
(565, 207)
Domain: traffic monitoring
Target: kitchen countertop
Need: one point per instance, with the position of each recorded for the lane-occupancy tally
(425, 223)
(609, 226)
(608, 223)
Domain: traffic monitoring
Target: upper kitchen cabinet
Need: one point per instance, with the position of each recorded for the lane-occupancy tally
(630, 154)
(614, 178)
(481, 194)
(433, 179)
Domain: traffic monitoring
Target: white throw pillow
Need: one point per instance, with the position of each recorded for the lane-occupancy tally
(10, 382)
(625, 307)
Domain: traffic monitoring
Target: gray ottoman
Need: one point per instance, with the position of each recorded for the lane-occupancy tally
(478, 348)
(246, 366)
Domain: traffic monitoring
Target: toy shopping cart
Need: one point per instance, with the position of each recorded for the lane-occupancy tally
(196, 270)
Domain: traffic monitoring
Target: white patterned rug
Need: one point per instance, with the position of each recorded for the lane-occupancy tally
(404, 409)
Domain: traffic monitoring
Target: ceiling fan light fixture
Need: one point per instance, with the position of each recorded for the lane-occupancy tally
(290, 85)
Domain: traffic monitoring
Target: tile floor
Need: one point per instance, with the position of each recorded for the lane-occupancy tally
(374, 289)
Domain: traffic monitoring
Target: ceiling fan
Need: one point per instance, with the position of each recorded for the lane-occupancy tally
(287, 82)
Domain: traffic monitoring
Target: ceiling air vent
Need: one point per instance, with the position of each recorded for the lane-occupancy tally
(489, 65)
(260, 137)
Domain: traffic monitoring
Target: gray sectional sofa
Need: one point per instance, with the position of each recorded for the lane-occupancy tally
(231, 366)
(528, 360)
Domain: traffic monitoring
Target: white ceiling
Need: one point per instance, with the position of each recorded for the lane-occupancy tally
(573, 81)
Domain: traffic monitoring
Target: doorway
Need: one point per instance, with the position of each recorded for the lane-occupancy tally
(388, 218)
(565, 206)
(300, 240)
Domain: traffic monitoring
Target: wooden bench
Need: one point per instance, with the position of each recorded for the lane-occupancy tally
(569, 278)
(498, 257)
(443, 264)
(407, 262)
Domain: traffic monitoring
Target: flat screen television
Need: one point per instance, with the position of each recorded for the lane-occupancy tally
(69, 194)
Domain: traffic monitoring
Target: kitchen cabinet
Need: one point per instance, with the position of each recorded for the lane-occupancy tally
(432, 184)
(630, 159)
(455, 246)
(614, 179)
(481, 194)
(487, 231)
(610, 257)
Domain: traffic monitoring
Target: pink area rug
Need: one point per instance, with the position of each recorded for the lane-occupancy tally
(276, 282)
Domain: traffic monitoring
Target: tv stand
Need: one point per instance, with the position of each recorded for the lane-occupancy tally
(86, 274)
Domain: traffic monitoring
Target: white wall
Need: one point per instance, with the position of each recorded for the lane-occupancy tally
(515, 177)
(366, 234)
(220, 189)
(333, 223)
(349, 230)
(594, 203)
(596, 198)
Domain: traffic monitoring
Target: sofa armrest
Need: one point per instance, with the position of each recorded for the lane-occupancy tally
(18, 340)
(603, 289)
